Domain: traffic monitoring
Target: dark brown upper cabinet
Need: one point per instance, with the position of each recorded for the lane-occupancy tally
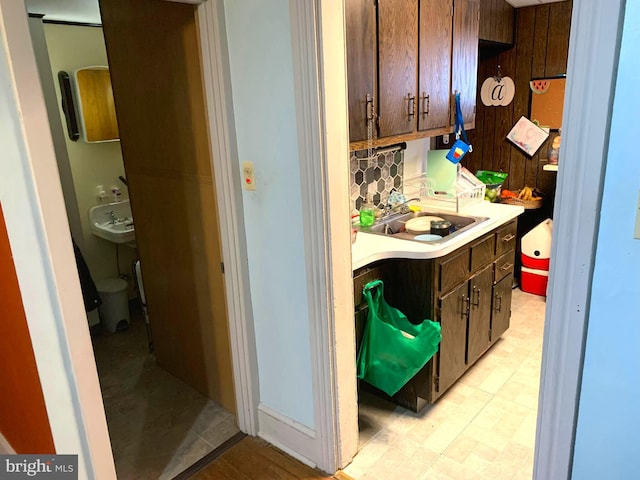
(361, 50)
(397, 56)
(496, 22)
(405, 59)
(434, 74)
(464, 67)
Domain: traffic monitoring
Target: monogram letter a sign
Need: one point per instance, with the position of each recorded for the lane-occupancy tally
(497, 91)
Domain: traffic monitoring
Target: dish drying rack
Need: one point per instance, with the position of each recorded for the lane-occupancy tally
(469, 191)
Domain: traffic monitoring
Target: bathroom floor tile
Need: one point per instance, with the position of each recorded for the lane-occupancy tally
(158, 425)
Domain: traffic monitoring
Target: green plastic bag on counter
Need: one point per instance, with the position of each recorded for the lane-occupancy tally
(393, 349)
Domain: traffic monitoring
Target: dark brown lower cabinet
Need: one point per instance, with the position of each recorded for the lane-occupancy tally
(468, 291)
(478, 331)
(501, 312)
(453, 321)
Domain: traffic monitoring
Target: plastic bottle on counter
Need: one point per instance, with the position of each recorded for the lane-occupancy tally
(367, 213)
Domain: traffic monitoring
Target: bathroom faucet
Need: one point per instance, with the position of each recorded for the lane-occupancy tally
(112, 217)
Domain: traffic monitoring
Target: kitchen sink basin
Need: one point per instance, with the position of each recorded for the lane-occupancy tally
(113, 222)
(394, 226)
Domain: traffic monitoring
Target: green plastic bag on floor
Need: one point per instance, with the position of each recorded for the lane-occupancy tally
(393, 349)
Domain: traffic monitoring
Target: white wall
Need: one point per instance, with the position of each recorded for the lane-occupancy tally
(606, 444)
(260, 57)
(70, 48)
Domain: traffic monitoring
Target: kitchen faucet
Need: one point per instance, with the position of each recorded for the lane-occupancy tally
(400, 207)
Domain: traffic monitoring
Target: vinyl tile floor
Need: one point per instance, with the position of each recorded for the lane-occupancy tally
(158, 424)
(482, 428)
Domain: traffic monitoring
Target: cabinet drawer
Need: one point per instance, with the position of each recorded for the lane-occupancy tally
(453, 270)
(506, 238)
(482, 252)
(503, 266)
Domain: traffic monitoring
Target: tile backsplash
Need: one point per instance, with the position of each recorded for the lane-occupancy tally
(379, 176)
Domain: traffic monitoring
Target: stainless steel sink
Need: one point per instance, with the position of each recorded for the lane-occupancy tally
(394, 225)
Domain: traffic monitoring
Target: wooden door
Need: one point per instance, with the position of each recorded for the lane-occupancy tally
(453, 320)
(480, 286)
(434, 74)
(464, 66)
(501, 310)
(397, 67)
(361, 41)
(154, 55)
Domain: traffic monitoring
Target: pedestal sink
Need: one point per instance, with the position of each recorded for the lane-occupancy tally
(113, 222)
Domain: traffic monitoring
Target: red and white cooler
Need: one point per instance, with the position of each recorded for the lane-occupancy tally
(535, 256)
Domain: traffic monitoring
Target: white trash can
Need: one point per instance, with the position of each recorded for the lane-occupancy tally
(114, 311)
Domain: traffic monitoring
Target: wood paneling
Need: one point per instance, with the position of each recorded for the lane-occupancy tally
(158, 88)
(23, 416)
(540, 49)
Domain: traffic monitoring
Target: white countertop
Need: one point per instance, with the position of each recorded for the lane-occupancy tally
(370, 247)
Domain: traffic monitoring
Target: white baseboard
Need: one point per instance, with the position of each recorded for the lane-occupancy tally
(5, 446)
(290, 436)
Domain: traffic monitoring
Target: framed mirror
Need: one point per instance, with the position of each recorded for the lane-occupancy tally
(96, 109)
(547, 100)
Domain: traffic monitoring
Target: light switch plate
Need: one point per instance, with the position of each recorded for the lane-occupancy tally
(248, 179)
(636, 230)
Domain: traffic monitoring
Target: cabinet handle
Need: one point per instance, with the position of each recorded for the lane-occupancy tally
(508, 238)
(465, 306)
(506, 267)
(412, 105)
(425, 104)
(499, 305)
(369, 108)
(476, 292)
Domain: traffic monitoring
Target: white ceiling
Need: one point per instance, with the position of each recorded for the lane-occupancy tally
(87, 11)
(83, 11)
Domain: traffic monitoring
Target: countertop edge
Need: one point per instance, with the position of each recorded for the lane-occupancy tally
(370, 248)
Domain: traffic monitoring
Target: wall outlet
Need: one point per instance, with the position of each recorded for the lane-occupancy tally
(248, 179)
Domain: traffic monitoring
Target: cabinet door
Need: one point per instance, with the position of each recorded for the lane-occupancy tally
(361, 40)
(453, 320)
(496, 22)
(465, 57)
(501, 311)
(434, 74)
(480, 289)
(397, 57)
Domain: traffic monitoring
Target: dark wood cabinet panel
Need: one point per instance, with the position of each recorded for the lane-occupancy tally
(504, 266)
(506, 238)
(480, 292)
(482, 252)
(453, 269)
(464, 65)
(453, 320)
(397, 57)
(501, 309)
(434, 74)
(361, 44)
(496, 22)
